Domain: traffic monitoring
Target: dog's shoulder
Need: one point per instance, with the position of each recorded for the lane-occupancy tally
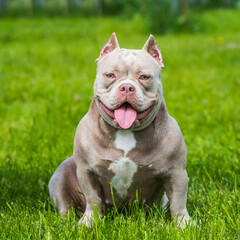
(170, 137)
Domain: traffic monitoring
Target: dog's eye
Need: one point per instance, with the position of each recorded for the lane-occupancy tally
(144, 77)
(110, 75)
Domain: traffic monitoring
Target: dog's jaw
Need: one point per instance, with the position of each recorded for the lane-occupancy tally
(142, 120)
(125, 115)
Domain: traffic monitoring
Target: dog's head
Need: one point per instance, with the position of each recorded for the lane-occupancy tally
(128, 89)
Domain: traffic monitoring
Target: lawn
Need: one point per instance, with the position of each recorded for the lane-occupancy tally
(47, 70)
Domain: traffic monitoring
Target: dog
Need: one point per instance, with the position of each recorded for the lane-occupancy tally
(127, 141)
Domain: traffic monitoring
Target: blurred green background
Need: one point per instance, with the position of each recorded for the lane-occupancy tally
(170, 14)
(47, 69)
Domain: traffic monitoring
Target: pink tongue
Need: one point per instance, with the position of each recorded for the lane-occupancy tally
(125, 116)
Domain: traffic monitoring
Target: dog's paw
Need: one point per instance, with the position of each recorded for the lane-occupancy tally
(165, 202)
(86, 220)
(184, 221)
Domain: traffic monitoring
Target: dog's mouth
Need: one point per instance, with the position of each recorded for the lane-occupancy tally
(126, 115)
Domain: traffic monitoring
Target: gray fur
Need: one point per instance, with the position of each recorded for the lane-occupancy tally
(160, 154)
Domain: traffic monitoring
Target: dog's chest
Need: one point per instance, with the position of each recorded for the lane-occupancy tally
(124, 168)
(121, 166)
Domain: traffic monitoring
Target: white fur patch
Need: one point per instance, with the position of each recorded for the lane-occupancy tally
(124, 170)
(129, 58)
(125, 141)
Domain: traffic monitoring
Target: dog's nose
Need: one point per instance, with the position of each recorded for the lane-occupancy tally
(127, 89)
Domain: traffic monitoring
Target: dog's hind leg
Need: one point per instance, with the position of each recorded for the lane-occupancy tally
(64, 189)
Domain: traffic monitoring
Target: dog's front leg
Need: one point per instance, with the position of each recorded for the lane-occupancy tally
(91, 189)
(176, 189)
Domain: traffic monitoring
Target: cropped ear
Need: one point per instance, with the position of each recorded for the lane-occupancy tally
(109, 46)
(152, 48)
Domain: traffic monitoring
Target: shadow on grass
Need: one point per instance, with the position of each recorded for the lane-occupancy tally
(24, 184)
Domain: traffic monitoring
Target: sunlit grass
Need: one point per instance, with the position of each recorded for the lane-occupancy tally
(47, 70)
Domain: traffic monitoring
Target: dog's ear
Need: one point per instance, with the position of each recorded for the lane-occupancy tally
(109, 46)
(152, 48)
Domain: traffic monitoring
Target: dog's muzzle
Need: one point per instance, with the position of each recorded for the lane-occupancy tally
(126, 117)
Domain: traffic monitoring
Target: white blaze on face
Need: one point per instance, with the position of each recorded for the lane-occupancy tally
(124, 168)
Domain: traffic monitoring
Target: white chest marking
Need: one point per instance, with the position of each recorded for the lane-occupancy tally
(125, 141)
(124, 168)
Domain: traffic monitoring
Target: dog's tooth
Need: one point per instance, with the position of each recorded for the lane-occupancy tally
(137, 122)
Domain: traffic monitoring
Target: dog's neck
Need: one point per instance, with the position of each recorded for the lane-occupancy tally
(143, 123)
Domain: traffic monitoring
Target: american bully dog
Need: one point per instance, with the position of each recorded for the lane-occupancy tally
(127, 141)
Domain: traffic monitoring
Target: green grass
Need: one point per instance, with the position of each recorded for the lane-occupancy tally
(47, 71)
